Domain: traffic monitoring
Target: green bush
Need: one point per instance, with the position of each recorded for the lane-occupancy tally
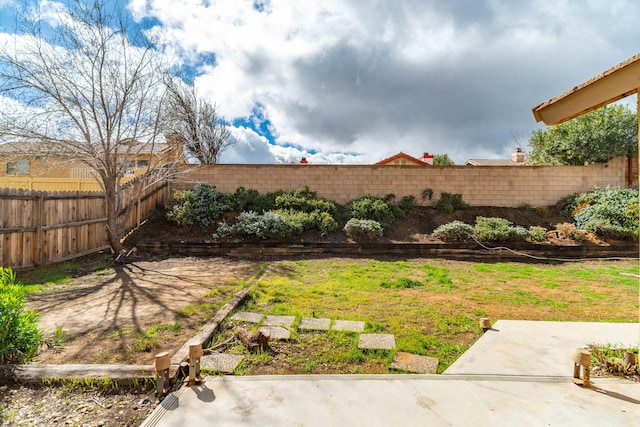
(497, 230)
(363, 229)
(202, 205)
(182, 212)
(304, 200)
(252, 224)
(372, 208)
(20, 338)
(208, 204)
(448, 203)
(456, 231)
(610, 211)
(251, 200)
(407, 203)
(537, 234)
(302, 221)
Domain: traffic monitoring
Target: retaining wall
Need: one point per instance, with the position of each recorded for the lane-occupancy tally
(507, 186)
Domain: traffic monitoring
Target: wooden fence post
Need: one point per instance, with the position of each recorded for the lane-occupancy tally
(38, 216)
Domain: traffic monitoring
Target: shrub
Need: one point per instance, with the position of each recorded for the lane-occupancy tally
(611, 211)
(371, 208)
(203, 206)
(497, 230)
(301, 221)
(252, 224)
(448, 203)
(251, 200)
(537, 234)
(326, 223)
(208, 204)
(427, 193)
(20, 337)
(407, 203)
(456, 231)
(181, 213)
(363, 229)
(304, 200)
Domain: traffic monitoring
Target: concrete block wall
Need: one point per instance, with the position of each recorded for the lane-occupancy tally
(504, 186)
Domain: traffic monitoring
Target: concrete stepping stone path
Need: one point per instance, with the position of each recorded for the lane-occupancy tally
(377, 342)
(348, 325)
(313, 324)
(276, 332)
(284, 321)
(244, 316)
(221, 362)
(415, 363)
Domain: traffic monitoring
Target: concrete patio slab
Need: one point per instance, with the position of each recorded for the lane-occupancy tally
(519, 347)
(244, 316)
(391, 400)
(313, 324)
(222, 362)
(284, 321)
(348, 325)
(377, 342)
(516, 396)
(415, 363)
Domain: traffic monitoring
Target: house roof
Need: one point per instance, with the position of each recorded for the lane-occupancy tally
(616, 83)
(402, 155)
(56, 149)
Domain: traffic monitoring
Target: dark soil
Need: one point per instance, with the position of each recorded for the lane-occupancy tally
(415, 227)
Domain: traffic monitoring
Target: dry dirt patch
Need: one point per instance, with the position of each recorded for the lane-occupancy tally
(123, 302)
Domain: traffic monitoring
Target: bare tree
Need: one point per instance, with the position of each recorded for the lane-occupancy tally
(195, 122)
(87, 84)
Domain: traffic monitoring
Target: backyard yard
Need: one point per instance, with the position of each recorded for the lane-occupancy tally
(128, 313)
(93, 311)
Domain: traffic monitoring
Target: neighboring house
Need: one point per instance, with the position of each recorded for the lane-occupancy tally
(517, 159)
(41, 167)
(405, 159)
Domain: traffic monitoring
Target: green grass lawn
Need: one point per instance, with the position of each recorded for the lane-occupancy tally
(431, 306)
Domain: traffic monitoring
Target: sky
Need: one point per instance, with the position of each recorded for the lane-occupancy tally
(356, 81)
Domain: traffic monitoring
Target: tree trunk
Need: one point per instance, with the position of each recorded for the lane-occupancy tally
(253, 342)
(113, 234)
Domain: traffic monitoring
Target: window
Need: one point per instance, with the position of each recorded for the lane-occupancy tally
(21, 167)
(143, 163)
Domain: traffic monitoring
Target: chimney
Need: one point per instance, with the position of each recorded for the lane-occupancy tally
(427, 158)
(303, 161)
(518, 155)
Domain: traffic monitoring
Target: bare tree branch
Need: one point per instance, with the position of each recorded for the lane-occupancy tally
(195, 123)
(89, 92)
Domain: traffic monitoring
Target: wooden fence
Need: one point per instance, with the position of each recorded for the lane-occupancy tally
(38, 227)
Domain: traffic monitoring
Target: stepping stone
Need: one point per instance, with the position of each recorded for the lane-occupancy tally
(415, 363)
(285, 321)
(244, 316)
(221, 362)
(377, 341)
(276, 332)
(309, 323)
(348, 325)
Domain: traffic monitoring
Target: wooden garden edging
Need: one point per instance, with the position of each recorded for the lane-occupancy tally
(206, 332)
(37, 374)
(455, 251)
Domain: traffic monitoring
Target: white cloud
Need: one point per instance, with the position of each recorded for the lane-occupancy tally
(248, 148)
(340, 77)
